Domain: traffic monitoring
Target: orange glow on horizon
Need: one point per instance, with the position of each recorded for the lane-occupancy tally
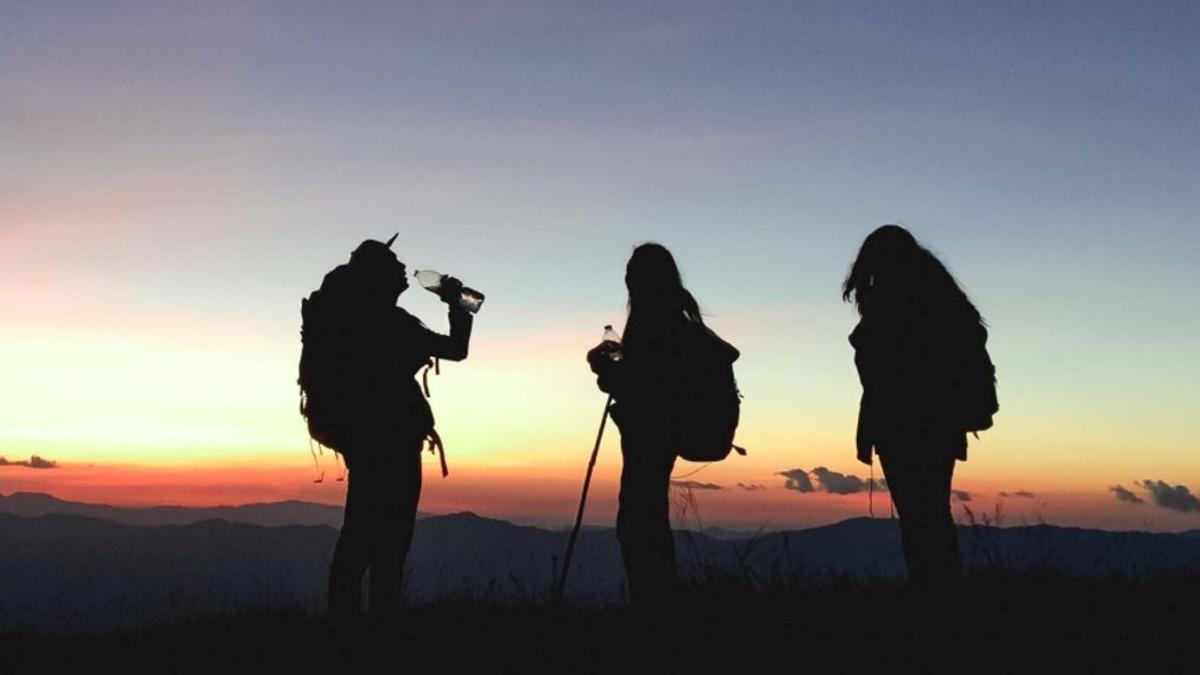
(549, 496)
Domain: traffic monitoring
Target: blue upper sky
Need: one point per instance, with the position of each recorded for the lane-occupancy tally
(215, 158)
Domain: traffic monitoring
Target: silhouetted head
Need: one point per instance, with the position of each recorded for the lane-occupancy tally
(892, 266)
(656, 287)
(381, 275)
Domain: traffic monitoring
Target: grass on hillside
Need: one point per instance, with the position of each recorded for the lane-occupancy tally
(992, 623)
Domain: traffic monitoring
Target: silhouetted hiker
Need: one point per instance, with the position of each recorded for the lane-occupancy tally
(927, 381)
(361, 353)
(664, 339)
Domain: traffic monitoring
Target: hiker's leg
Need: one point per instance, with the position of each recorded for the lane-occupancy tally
(351, 555)
(398, 515)
(920, 488)
(644, 519)
(897, 471)
(946, 561)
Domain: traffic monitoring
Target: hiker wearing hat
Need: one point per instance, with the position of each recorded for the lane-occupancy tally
(358, 372)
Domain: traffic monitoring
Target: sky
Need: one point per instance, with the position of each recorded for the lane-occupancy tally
(175, 177)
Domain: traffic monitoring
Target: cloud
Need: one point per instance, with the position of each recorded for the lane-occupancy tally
(798, 480)
(694, 485)
(838, 483)
(1175, 498)
(751, 487)
(1024, 494)
(828, 481)
(1124, 495)
(34, 462)
(960, 495)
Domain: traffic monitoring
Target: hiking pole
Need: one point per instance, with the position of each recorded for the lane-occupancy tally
(561, 587)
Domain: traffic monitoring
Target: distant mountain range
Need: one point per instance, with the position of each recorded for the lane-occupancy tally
(32, 504)
(67, 566)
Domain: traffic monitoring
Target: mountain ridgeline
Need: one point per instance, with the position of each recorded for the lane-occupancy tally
(69, 567)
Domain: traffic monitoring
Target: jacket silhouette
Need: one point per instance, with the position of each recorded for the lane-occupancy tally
(389, 420)
(664, 336)
(916, 346)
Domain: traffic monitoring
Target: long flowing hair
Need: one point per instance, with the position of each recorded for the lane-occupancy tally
(656, 291)
(892, 267)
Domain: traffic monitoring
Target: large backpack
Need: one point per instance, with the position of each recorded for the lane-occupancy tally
(326, 348)
(331, 360)
(708, 406)
(973, 385)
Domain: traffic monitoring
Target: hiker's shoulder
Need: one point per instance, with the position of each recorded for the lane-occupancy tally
(702, 338)
(336, 279)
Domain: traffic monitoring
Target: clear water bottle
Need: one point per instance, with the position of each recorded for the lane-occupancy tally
(612, 342)
(469, 298)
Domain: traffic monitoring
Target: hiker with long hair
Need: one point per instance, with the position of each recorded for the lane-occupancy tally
(663, 328)
(361, 355)
(925, 380)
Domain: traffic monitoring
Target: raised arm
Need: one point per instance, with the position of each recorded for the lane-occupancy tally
(455, 346)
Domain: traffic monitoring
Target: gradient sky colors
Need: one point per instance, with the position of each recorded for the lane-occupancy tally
(174, 177)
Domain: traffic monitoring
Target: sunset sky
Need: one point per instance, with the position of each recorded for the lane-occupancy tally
(175, 177)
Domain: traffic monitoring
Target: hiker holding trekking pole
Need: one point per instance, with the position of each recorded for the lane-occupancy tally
(358, 364)
(666, 365)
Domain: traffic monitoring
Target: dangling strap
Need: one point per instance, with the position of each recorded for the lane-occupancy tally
(435, 441)
(871, 492)
(435, 445)
(434, 363)
(316, 462)
(337, 459)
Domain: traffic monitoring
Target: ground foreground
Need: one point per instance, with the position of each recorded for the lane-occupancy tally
(988, 625)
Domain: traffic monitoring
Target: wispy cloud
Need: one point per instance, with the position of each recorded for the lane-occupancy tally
(34, 462)
(694, 485)
(842, 483)
(1172, 497)
(1023, 494)
(798, 480)
(960, 495)
(829, 481)
(1124, 495)
(751, 487)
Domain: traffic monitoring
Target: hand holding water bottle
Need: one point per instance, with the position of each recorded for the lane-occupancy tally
(608, 351)
(605, 361)
(450, 290)
(611, 342)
